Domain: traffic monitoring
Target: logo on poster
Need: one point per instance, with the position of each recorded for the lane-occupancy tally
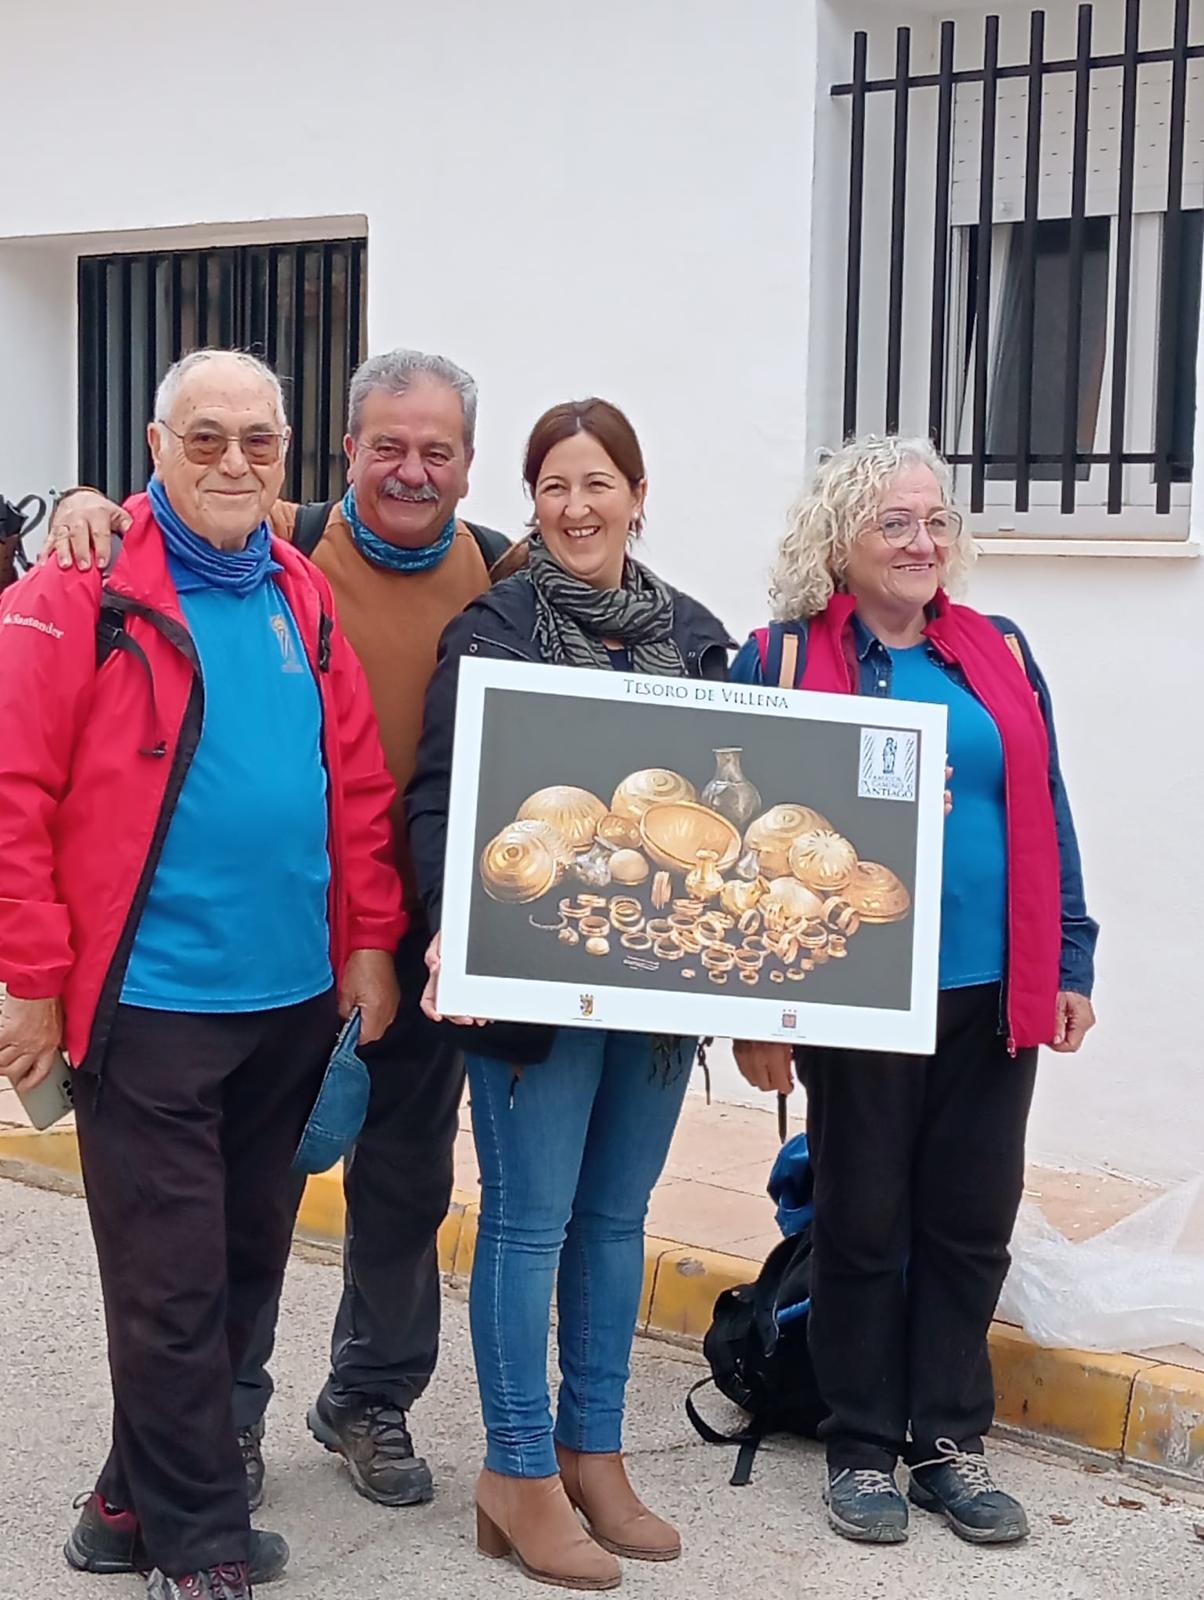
(887, 770)
(790, 1019)
(587, 1005)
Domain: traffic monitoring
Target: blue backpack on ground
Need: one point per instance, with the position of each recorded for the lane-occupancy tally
(756, 1345)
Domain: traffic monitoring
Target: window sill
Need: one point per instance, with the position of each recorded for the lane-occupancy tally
(1143, 549)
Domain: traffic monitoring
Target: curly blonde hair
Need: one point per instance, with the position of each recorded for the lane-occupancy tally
(835, 509)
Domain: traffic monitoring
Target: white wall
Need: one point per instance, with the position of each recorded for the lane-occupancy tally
(616, 199)
(37, 369)
(568, 200)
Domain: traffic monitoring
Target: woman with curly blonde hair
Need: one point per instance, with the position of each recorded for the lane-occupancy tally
(919, 1161)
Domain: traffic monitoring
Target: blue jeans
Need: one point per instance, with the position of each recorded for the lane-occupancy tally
(569, 1153)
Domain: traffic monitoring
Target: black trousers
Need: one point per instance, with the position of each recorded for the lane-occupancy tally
(397, 1183)
(919, 1172)
(185, 1142)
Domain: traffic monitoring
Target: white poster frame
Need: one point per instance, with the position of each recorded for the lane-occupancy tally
(791, 1016)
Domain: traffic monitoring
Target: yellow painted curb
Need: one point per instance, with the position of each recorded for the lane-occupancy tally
(1166, 1420)
(1066, 1394)
(1130, 1408)
(687, 1283)
(55, 1148)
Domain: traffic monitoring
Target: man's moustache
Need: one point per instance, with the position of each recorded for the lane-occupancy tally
(396, 491)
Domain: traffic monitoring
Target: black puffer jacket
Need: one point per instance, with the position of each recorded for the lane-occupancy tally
(501, 624)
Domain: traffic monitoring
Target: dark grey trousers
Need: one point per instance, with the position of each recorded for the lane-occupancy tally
(397, 1182)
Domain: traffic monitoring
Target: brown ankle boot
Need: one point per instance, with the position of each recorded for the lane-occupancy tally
(618, 1519)
(531, 1519)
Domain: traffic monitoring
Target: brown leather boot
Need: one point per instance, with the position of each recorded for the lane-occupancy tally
(618, 1519)
(531, 1519)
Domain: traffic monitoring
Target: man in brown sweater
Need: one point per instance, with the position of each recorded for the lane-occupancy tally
(401, 565)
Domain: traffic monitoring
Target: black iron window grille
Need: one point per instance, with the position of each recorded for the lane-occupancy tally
(1060, 284)
(299, 306)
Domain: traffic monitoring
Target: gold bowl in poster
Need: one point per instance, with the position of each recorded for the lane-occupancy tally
(788, 901)
(676, 834)
(823, 860)
(653, 786)
(573, 812)
(551, 836)
(518, 866)
(772, 834)
(876, 893)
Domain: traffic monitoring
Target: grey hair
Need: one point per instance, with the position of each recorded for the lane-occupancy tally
(837, 506)
(396, 370)
(169, 385)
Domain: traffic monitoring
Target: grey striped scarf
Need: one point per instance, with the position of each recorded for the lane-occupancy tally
(572, 618)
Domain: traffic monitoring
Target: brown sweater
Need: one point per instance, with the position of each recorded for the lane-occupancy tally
(394, 621)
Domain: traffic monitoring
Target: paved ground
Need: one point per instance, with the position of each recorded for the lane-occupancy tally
(763, 1541)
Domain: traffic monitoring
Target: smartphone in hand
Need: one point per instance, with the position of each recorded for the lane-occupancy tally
(54, 1097)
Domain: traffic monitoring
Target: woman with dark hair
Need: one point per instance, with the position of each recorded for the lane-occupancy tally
(569, 1149)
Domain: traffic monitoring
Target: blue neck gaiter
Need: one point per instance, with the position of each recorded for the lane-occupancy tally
(395, 557)
(196, 564)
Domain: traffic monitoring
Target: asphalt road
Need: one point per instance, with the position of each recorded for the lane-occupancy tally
(765, 1540)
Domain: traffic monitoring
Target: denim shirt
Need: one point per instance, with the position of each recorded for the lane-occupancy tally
(1079, 931)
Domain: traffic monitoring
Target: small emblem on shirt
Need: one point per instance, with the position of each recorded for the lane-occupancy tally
(887, 770)
(284, 638)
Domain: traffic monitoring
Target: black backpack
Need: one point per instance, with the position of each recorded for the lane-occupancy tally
(756, 1348)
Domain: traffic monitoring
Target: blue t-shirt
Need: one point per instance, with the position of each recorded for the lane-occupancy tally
(974, 893)
(236, 918)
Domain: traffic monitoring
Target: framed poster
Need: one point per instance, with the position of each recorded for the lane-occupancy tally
(675, 856)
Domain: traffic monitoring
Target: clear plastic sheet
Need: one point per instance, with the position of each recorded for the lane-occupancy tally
(1137, 1285)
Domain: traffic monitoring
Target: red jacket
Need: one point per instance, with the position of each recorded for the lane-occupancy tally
(92, 762)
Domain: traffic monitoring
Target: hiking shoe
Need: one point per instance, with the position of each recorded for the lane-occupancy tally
(108, 1541)
(229, 1581)
(865, 1504)
(371, 1435)
(250, 1447)
(960, 1488)
(105, 1540)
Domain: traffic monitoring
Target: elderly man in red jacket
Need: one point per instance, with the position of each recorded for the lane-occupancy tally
(196, 878)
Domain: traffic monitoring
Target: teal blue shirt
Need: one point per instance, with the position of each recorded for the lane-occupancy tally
(974, 892)
(236, 917)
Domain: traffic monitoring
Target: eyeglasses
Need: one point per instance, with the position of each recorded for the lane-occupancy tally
(899, 528)
(205, 447)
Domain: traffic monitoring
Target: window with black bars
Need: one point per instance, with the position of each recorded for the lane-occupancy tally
(301, 307)
(1062, 332)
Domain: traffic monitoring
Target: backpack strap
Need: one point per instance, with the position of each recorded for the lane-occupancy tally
(492, 544)
(111, 636)
(747, 1439)
(781, 649)
(310, 525)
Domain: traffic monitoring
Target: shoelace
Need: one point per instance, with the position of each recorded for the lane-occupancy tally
(248, 1445)
(972, 1470)
(387, 1424)
(868, 1480)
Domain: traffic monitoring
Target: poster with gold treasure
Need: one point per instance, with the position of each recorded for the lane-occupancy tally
(678, 856)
